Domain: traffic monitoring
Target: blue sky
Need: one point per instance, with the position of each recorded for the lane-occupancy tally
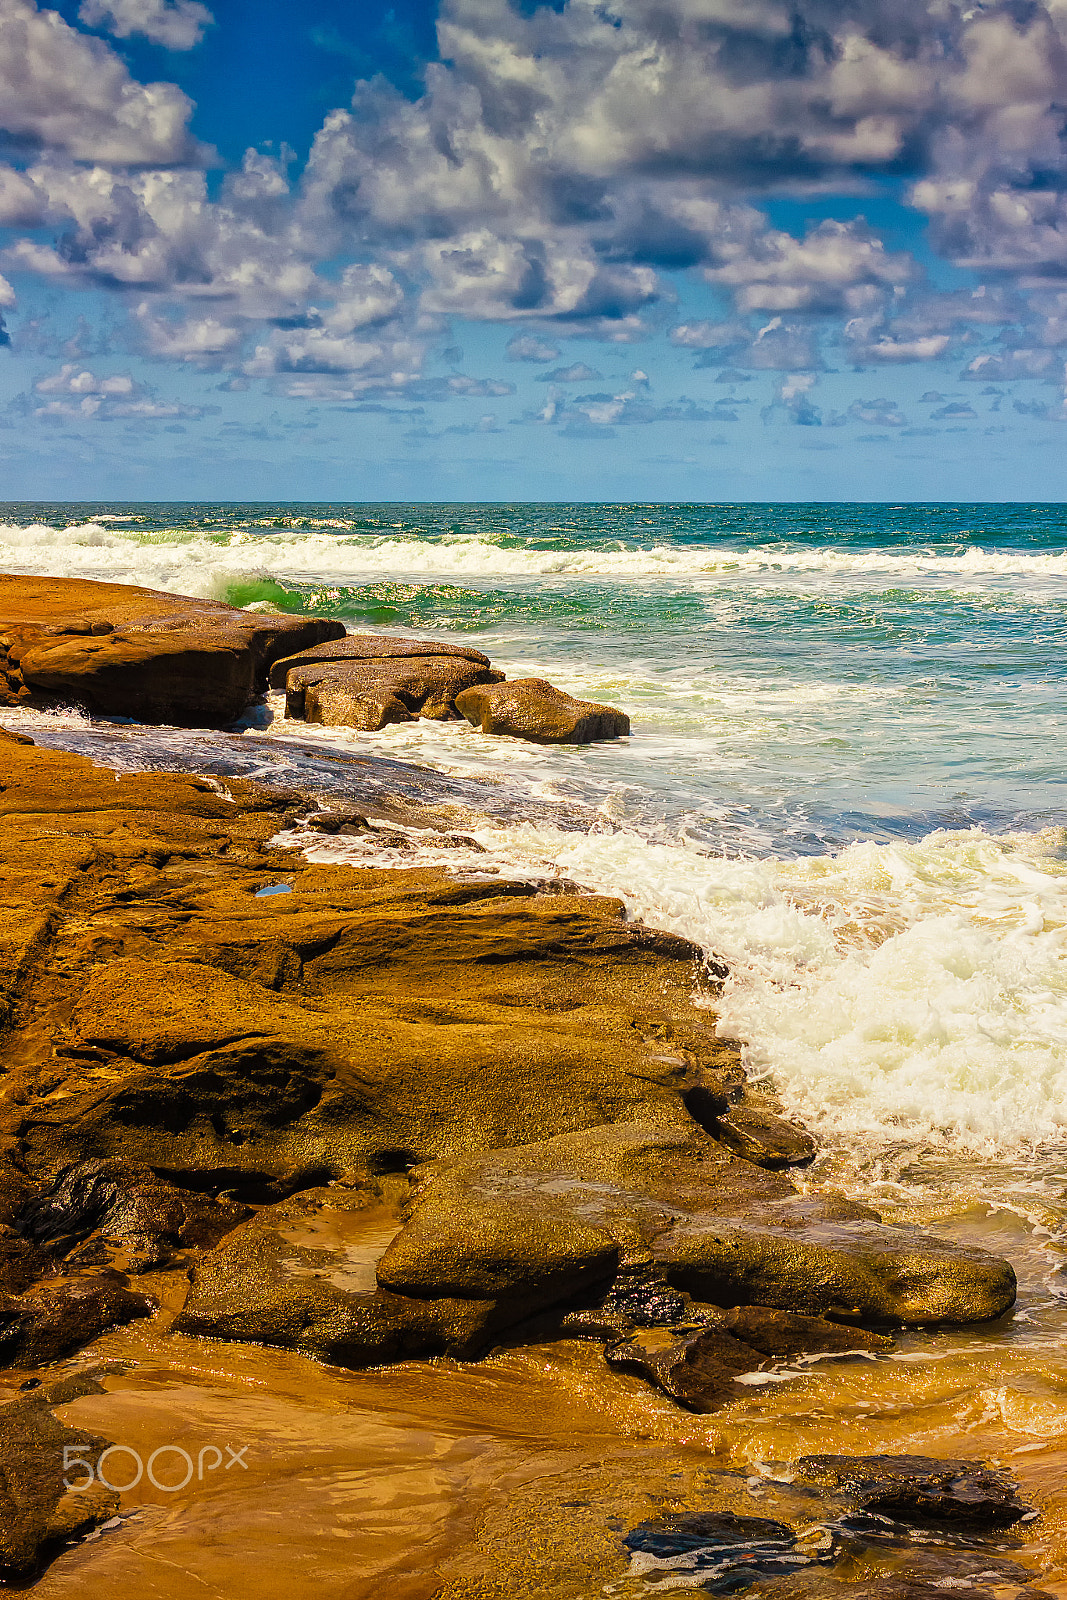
(490, 249)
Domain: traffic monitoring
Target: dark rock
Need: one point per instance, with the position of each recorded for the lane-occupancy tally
(530, 708)
(760, 1136)
(921, 1488)
(786, 1333)
(355, 647)
(729, 1552)
(97, 1208)
(38, 1514)
(58, 1317)
(698, 1368)
(646, 1302)
(337, 821)
(21, 1263)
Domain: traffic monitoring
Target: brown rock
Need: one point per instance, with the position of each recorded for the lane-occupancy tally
(760, 1136)
(120, 650)
(356, 647)
(530, 708)
(698, 1368)
(852, 1269)
(301, 1275)
(368, 694)
(787, 1333)
(38, 1514)
(46, 1324)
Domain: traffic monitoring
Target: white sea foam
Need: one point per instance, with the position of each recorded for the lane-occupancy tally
(181, 560)
(915, 990)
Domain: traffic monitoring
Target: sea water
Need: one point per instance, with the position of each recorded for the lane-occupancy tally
(845, 774)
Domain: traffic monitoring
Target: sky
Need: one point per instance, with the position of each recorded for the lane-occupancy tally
(609, 250)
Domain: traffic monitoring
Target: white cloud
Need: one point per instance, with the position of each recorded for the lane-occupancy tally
(176, 24)
(75, 393)
(527, 347)
(73, 94)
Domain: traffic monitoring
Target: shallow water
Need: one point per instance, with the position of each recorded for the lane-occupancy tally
(846, 777)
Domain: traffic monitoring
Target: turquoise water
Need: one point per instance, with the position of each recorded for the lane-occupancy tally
(846, 769)
(798, 676)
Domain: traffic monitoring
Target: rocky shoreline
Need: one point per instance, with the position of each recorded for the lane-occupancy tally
(372, 1115)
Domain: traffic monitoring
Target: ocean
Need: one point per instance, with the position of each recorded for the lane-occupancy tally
(845, 774)
(845, 777)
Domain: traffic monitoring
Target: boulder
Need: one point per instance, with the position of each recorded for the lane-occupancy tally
(853, 1270)
(301, 1275)
(530, 708)
(119, 650)
(369, 694)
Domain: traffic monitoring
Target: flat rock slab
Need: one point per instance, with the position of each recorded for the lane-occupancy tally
(120, 650)
(530, 708)
(356, 647)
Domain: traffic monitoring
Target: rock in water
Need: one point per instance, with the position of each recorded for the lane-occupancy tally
(368, 694)
(530, 708)
(120, 650)
(38, 1514)
(697, 1368)
(357, 647)
(921, 1488)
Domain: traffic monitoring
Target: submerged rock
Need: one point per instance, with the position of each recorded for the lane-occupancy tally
(921, 1488)
(697, 1368)
(530, 708)
(787, 1333)
(728, 1552)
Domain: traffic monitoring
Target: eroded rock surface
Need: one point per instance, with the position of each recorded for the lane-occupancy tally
(576, 1150)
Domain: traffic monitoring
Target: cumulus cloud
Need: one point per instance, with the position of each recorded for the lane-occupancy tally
(176, 24)
(70, 93)
(560, 163)
(794, 398)
(580, 372)
(954, 411)
(75, 393)
(528, 347)
(878, 413)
